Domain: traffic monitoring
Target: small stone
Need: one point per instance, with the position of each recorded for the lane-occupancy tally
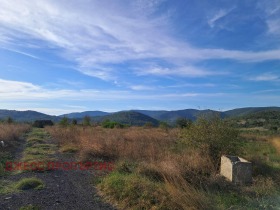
(7, 198)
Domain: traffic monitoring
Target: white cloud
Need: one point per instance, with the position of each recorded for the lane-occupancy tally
(141, 87)
(274, 26)
(220, 14)
(266, 77)
(7, 86)
(23, 91)
(20, 52)
(187, 71)
(98, 34)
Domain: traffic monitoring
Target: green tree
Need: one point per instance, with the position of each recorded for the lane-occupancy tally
(64, 121)
(10, 120)
(183, 122)
(74, 122)
(148, 125)
(164, 125)
(86, 121)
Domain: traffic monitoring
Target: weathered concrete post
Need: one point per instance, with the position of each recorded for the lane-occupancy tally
(236, 169)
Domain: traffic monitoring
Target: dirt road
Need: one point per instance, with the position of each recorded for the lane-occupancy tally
(64, 189)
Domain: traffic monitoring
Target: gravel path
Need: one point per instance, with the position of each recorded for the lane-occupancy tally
(64, 190)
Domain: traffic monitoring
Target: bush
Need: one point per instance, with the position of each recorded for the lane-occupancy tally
(42, 123)
(164, 125)
(74, 122)
(9, 120)
(148, 125)
(183, 123)
(214, 136)
(86, 121)
(111, 124)
(64, 121)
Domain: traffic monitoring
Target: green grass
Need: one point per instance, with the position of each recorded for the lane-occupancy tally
(29, 207)
(4, 157)
(29, 183)
(7, 187)
(265, 191)
(39, 133)
(132, 191)
(34, 140)
(37, 149)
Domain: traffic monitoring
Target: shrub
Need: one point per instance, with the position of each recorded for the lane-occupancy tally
(183, 122)
(111, 124)
(214, 136)
(64, 121)
(42, 123)
(164, 125)
(9, 120)
(86, 121)
(148, 125)
(74, 122)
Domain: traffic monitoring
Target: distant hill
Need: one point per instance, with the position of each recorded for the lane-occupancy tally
(265, 114)
(83, 114)
(26, 116)
(248, 110)
(171, 116)
(140, 117)
(128, 117)
(265, 118)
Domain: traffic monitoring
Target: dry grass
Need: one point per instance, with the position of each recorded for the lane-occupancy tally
(153, 170)
(276, 143)
(11, 132)
(132, 143)
(153, 164)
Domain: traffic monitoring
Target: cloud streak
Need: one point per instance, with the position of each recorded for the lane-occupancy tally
(23, 91)
(266, 78)
(97, 35)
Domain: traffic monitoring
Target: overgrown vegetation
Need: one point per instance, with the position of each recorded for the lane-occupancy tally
(213, 136)
(173, 168)
(10, 134)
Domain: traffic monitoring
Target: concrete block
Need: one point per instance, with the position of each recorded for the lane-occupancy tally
(236, 169)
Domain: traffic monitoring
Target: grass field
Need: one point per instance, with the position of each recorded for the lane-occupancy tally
(177, 169)
(157, 168)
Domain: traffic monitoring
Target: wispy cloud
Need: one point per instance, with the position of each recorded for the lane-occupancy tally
(114, 33)
(23, 91)
(266, 78)
(186, 71)
(20, 52)
(141, 87)
(220, 14)
(274, 26)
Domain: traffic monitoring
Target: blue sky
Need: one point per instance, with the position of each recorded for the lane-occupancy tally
(69, 56)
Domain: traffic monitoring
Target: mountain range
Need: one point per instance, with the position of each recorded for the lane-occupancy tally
(135, 117)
